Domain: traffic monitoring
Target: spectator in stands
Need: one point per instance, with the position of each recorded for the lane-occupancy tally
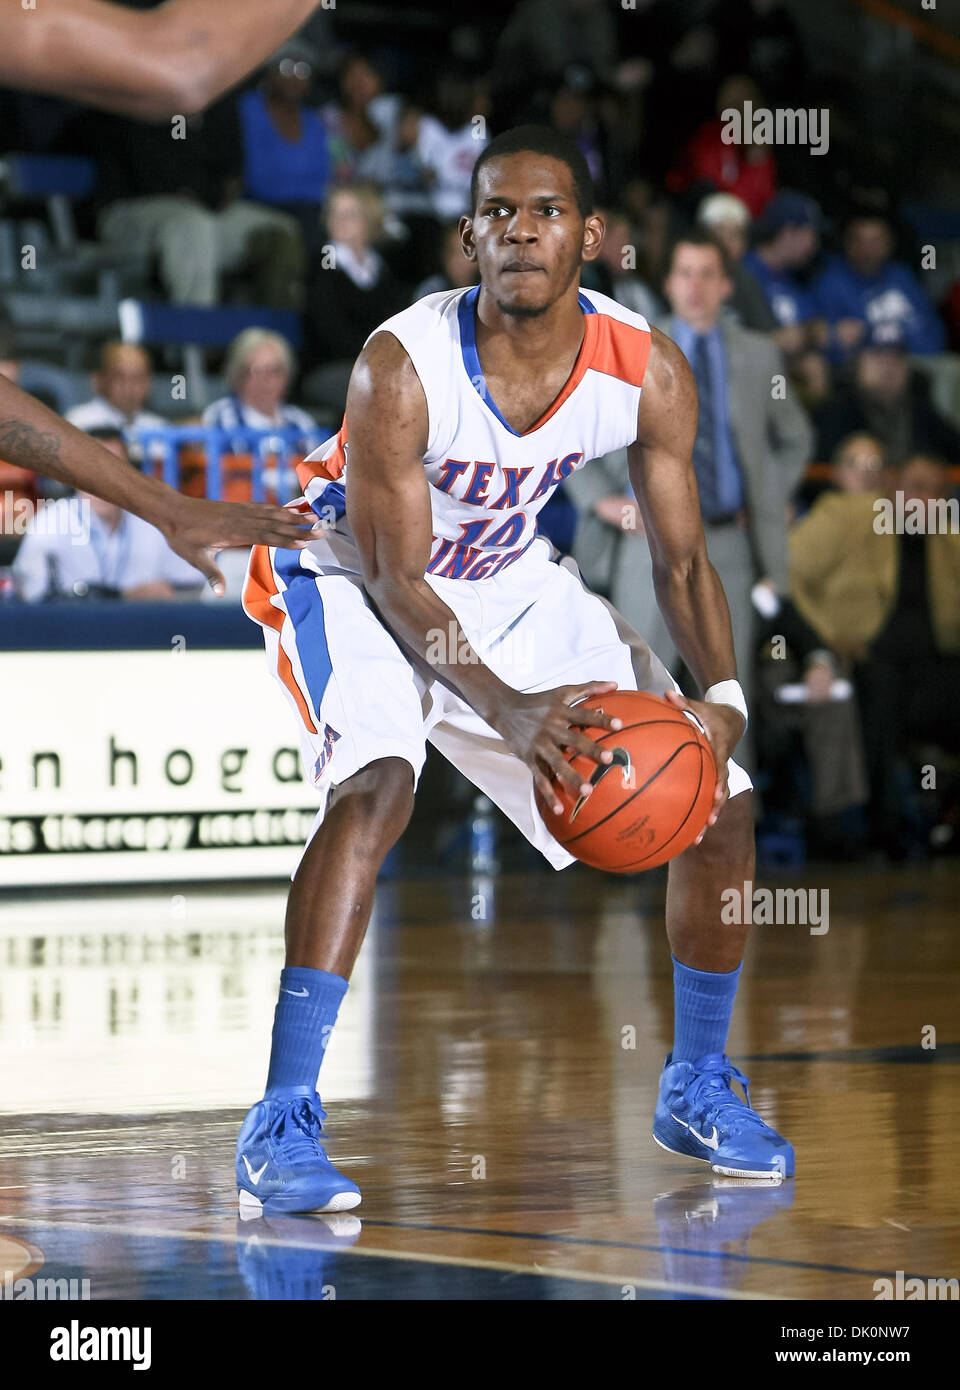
(456, 271)
(351, 292)
(83, 547)
(763, 38)
(812, 377)
(749, 455)
(865, 294)
(859, 464)
(446, 145)
(786, 238)
(887, 399)
(728, 218)
(259, 369)
(121, 385)
(889, 604)
(709, 162)
(819, 721)
(614, 271)
(542, 38)
(177, 193)
(287, 162)
(362, 124)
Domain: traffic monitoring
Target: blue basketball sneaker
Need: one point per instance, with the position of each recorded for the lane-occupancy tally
(700, 1116)
(281, 1164)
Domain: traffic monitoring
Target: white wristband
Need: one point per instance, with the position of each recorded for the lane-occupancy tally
(728, 693)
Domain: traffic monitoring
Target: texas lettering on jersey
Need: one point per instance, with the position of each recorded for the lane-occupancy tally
(468, 554)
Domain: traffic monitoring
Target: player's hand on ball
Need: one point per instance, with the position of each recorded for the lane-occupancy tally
(724, 726)
(541, 729)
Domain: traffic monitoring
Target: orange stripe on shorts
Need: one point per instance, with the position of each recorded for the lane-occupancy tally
(260, 588)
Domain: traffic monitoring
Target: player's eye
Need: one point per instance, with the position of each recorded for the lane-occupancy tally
(551, 207)
(499, 207)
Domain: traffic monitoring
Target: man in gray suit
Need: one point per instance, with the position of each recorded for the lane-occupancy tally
(753, 441)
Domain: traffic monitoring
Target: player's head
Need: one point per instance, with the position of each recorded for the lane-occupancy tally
(532, 223)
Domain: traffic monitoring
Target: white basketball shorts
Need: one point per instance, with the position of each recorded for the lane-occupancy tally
(358, 697)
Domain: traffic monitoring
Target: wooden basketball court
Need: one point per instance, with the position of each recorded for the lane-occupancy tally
(490, 1087)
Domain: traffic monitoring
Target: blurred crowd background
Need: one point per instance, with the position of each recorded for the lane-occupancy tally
(223, 270)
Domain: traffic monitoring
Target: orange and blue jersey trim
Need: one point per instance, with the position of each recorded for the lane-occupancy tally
(301, 604)
(610, 346)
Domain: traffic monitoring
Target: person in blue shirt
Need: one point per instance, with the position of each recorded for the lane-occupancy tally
(865, 292)
(287, 161)
(786, 239)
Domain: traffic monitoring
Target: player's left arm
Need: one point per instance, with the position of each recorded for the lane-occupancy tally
(688, 589)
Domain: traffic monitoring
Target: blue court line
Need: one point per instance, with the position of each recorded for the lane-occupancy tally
(650, 1249)
(897, 1053)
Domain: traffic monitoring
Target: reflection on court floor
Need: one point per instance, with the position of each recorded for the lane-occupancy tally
(139, 1002)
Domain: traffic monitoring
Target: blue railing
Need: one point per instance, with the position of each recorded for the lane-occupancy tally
(271, 453)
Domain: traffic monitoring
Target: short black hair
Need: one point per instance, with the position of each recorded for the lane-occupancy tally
(538, 139)
(700, 236)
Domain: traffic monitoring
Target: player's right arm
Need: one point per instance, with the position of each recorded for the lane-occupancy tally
(175, 59)
(388, 508)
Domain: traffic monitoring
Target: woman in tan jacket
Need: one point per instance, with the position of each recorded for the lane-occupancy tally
(886, 600)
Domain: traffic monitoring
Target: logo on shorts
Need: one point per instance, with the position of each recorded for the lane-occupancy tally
(330, 737)
(621, 758)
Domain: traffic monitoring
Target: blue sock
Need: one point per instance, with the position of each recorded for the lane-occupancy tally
(302, 1022)
(702, 1007)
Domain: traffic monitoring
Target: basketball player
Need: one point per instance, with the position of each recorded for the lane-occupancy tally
(433, 610)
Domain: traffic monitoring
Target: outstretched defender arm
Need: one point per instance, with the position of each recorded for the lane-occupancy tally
(172, 60)
(31, 436)
(688, 589)
(389, 511)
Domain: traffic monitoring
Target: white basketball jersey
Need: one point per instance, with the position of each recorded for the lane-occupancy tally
(487, 481)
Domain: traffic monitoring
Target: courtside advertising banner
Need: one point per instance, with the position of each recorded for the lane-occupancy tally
(133, 766)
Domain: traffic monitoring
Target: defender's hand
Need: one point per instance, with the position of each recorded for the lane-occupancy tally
(724, 726)
(542, 728)
(198, 528)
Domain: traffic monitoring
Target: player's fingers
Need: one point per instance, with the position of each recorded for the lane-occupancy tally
(300, 541)
(719, 801)
(269, 525)
(588, 716)
(562, 771)
(202, 560)
(547, 790)
(574, 694)
(579, 743)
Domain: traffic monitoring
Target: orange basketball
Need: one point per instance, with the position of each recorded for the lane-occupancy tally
(652, 801)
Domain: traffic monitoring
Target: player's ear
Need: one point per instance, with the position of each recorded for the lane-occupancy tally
(593, 229)
(467, 244)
